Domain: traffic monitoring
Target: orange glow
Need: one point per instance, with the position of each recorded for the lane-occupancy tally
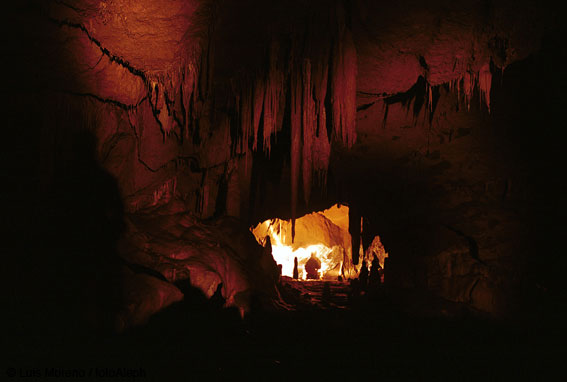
(376, 249)
(323, 233)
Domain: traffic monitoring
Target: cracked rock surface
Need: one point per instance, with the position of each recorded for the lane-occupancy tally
(254, 110)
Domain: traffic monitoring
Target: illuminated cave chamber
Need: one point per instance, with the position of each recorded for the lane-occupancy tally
(324, 234)
(167, 128)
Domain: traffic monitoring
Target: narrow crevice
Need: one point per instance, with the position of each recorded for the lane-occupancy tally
(473, 246)
(376, 95)
(423, 63)
(138, 142)
(471, 291)
(109, 101)
(78, 10)
(113, 58)
(128, 109)
(98, 62)
(111, 144)
(365, 106)
(141, 269)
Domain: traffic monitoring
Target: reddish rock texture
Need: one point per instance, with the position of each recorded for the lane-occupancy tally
(257, 110)
(143, 296)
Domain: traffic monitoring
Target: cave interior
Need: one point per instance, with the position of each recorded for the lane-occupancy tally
(161, 142)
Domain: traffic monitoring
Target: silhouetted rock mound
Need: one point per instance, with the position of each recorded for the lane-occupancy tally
(218, 256)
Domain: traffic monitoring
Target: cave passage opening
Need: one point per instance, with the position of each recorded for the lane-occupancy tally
(323, 235)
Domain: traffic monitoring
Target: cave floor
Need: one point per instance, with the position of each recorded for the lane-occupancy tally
(386, 333)
(311, 294)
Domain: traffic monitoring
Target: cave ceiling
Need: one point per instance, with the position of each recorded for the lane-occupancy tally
(262, 109)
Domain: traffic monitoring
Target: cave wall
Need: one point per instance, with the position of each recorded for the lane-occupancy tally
(205, 97)
(261, 109)
(443, 199)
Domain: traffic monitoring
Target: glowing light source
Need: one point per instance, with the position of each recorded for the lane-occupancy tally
(324, 233)
(315, 233)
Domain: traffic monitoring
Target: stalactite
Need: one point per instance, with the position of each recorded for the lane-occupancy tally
(273, 94)
(309, 121)
(245, 101)
(163, 116)
(188, 90)
(165, 192)
(172, 97)
(481, 80)
(296, 90)
(258, 103)
(458, 86)
(316, 70)
(429, 97)
(321, 154)
(320, 74)
(321, 147)
(484, 84)
(468, 87)
(343, 87)
(165, 112)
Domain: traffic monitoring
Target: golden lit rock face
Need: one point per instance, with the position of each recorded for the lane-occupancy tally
(324, 234)
(149, 35)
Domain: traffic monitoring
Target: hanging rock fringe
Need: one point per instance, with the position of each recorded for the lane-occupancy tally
(343, 83)
(317, 71)
(274, 94)
(481, 80)
(296, 90)
(305, 76)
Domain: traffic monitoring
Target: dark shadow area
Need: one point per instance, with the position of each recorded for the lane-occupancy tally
(63, 212)
(63, 278)
(376, 336)
(67, 279)
(529, 104)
